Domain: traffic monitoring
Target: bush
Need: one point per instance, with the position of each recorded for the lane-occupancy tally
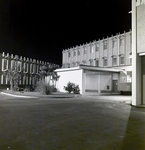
(71, 87)
(44, 87)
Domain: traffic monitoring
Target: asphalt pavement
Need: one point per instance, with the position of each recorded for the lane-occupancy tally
(76, 123)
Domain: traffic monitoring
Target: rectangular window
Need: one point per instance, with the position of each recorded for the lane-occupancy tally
(78, 51)
(114, 61)
(30, 68)
(114, 44)
(130, 61)
(91, 63)
(105, 62)
(13, 65)
(121, 42)
(19, 65)
(97, 63)
(74, 53)
(5, 64)
(97, 47)
(68, 54)
(85, 50)
(91, 48)
(121, 60)
(105, 45)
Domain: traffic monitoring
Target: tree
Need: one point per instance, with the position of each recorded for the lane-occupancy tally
(13, 74)
(48, 72)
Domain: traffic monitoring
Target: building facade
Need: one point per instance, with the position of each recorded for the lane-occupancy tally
(103, 66)
(138, 52)
(29, 66)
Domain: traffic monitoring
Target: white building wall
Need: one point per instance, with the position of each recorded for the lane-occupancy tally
(74, 76)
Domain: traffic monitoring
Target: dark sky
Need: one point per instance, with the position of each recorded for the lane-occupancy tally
(41, 30)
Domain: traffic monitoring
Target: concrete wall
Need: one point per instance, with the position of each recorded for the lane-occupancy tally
(106, 82)
(141, 28)
(74, 76)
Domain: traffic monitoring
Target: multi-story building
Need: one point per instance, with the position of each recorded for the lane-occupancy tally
(29, 67)
(100, 66)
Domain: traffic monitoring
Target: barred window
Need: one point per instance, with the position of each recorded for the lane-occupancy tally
(68, 54)
(97, 63)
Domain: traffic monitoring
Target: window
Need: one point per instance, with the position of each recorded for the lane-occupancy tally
(34, 68)
(19, 66)
(5, 64)
(105, 45)
(105, 62)
(85, 50)
(78, 51)
(114, 61)
(74, 53)
(114, 44)
(97, 47)
(13, 65)
(91, 62)
(30, 68)
(121, 42)
(122, 60)
(91, 48)
(97, 63)
(130, 61)
(68, 54)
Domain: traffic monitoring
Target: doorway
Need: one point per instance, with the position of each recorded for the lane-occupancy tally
(115, 86)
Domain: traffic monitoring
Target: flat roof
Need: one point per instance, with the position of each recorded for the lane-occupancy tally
(93, 68)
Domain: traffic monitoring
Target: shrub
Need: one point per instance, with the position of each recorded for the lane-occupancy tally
(44, 87)
(71, 87)
(76, 90)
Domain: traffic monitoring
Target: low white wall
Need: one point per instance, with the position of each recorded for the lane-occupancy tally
(74, 76)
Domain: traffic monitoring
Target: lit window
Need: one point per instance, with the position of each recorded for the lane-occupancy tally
(97, 47)
(105, 62)
(121, 60)
(105, 45)
(114, 61)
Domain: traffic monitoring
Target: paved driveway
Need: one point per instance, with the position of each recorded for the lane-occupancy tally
(70, 124)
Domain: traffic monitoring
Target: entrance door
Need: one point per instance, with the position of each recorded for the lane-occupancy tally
(115, 86)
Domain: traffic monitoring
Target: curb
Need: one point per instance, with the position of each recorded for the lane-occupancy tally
(18, 95)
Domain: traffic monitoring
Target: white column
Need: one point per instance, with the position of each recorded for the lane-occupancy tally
(136, 62)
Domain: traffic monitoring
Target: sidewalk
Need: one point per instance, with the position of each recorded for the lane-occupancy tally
(39, 95)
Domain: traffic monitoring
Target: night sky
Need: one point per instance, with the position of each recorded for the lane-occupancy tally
(42, 29)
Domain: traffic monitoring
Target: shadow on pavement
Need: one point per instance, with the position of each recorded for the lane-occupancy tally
(134, 138)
